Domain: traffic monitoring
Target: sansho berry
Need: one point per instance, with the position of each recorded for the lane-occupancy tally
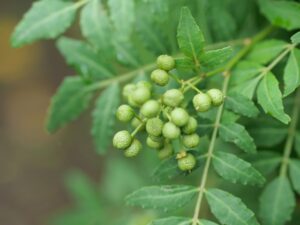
(173, 97)
(165, 62)
(202, 102)
(150, 108)
(133, 149)
(122, 139)
(170, 131)
(125, 113)
(179, 117)
(187, 163)
(160, 77)
(190, 140)
(216, 96)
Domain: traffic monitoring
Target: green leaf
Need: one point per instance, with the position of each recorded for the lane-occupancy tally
(245, 71)
(215, 58)
(241, 105)
(229, 209)
(78, 217)
(237, 134)
(247, 88)
(292, 73)
(270, 98)
(95, 26)
(236, 170)
(296, 38)
(162, 197)
(281, 13)
(45, 20)
(179, 221)
(265, 51)
(83, 58)
(294, 169)
(277, 202)
(297, 143)
(126, 53)
(189, 36)
(104, 117)
(265, 162)
(122, 13)
(70, 100)
(184, 63)
(83, 191)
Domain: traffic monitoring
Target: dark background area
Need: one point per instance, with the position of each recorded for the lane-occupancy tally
(33, 163)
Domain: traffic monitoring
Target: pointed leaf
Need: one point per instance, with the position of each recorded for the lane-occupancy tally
(83, 58)
(70, 100)
(229, 209)
(267, 50)
(245, 71)
(296, 38)
(215, 58)
(236, 133)
(179, 221)
(95, 26)
(189, 36)
(236, 170)
(270, 98)
(292, 72)
(162, 197)
(247, 88)
(297, 143)
(277, 202)
(241, 105)
(45, 20)
(294, 169)
(104, 117)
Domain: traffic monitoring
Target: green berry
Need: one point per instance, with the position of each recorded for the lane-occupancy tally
(160, 77)
(135, 122)
(154, 126)
(165, 152)
(170, 131)
(122, 139)
(157, 138)
(150, 109)
(145, 84)
(179, 117)
(202, 102)
(216, 96)
(141, 95)
(191, 126)
(173, 97)
(187, 163)
(125, 113)
(133, 149)
(128, 89)
(165, 62)
(191, 140)
(154, 144)
(131, 101)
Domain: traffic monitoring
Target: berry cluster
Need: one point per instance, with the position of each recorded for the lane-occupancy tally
(163, 118)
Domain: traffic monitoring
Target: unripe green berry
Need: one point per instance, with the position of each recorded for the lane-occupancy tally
(150, 109)
(165, 62)
(122, 139)
(173, 97)
(179, 117)
(133, 149)
(154, 126)
(202, 102)
(127, 90)
(170, 131)
(125, 113)
(160, 77)
(191, 140)
(141, 95)
(191, 126)
(154, 144)
(165, 152)
(216, 96)
(187, 163)
(157, 138)
(131, 102)
(145, 84)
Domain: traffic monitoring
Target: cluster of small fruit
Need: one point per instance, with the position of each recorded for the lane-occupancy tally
(164, 118)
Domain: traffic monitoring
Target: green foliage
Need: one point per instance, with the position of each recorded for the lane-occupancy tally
(179, 221)
(294, 168)
(292, 73)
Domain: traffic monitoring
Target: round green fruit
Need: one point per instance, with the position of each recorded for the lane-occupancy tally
(187, 163)
(173, 97)
(127, 90)
(125, 113)
(165, 152)
(133, 149)
(191, 140)
(154, 144)
(160, 77)
(154, 126)
(191, 126)
(145, 84)
(141, 95)
(170, 131)
(165, 62)
(216, 96)
(122, 139)
(202, 102)
(179, 117)
(150, 109)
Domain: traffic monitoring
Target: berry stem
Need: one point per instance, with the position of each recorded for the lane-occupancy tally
(291, 135)
(136, 130)
(226, 72)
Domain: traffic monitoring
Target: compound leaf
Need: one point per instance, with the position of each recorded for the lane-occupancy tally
(104, 117)
(162, 197)
(277, 202)
(294, 169)
(70, 100)
(291, 75)
(236, 170)
(270, 98)
(229, 209)
(241, 105)
(45, 20)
